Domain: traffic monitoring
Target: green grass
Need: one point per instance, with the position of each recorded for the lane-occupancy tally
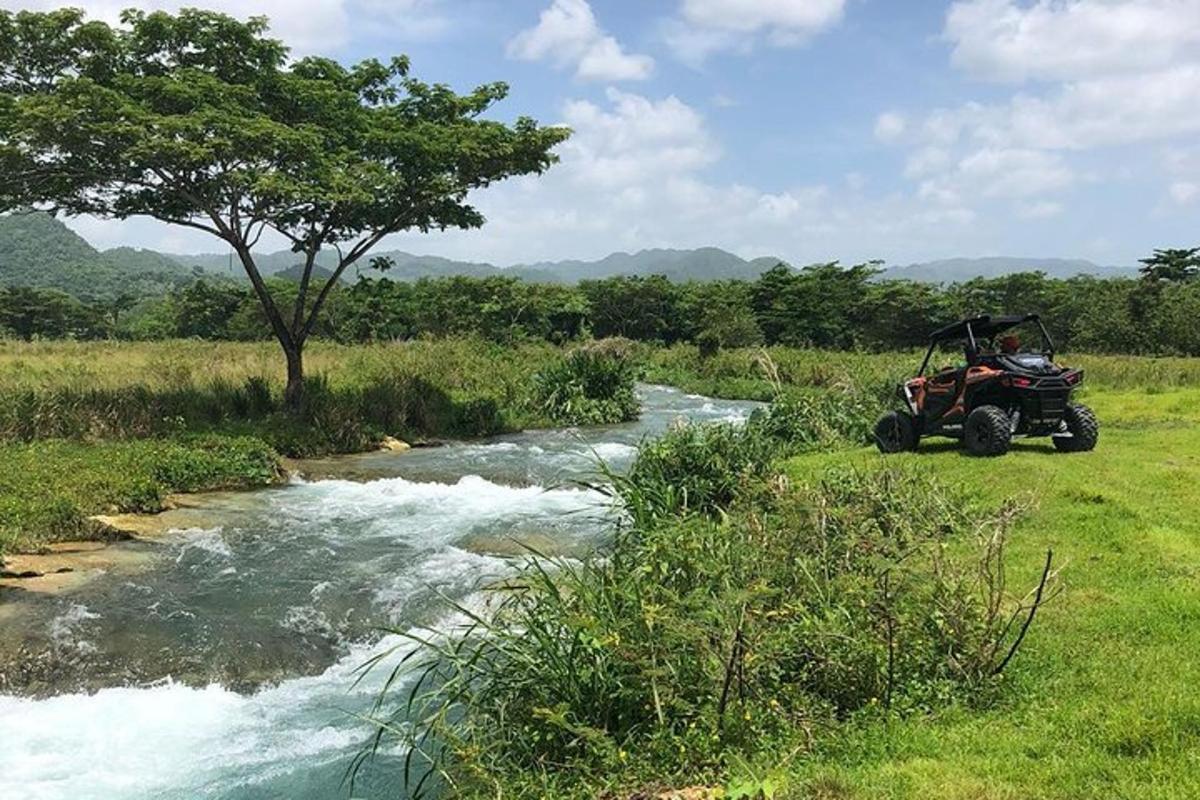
(109, 390)
(48, 489)
(1105, 704)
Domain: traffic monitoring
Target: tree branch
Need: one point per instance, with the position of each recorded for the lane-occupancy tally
(358, 251)
(1033, 609)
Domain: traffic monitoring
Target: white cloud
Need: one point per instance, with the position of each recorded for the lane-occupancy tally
(1182, 168)
(990, 173)
(1184, 192)
(1044, 209)
(890, 126)
(307, 26)
(1070, 39)
(703, 27)
(568, 34)
(635, 175)
(750, 16)
(1098, 74)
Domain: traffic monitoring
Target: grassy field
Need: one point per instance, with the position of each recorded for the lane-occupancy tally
(1104, 704)
(741, 373)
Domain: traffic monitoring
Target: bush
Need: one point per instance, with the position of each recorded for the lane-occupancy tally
(355, 395)
(816, 419)
(592, 385)
(692, 468)
(695, 640)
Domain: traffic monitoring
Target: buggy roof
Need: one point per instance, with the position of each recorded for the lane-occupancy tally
(984, 327)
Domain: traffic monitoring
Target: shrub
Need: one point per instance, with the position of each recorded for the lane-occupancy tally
(592, 385)
(694, 468)
(698, 639)
(815, 419)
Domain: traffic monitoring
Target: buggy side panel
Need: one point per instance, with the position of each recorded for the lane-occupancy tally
(944, 399)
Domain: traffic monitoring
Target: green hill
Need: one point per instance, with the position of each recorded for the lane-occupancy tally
(37, 250)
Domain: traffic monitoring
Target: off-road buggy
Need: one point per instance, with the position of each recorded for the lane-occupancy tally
(1001, 392)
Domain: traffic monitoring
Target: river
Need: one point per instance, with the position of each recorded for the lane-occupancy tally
(221, 661)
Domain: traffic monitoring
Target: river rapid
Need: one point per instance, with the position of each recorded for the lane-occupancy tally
(221, 662)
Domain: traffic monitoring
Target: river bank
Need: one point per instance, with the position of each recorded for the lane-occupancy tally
(111, 428)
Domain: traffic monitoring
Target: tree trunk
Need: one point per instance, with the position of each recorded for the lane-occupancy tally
(293, 395)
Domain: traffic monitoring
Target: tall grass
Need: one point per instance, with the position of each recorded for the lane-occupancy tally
(738, 373)
(356, 395)
(49, 489)
(695, 641)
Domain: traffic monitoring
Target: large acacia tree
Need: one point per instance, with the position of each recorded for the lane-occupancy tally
(202, 120)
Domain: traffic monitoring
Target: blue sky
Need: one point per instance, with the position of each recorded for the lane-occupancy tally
(813, 130)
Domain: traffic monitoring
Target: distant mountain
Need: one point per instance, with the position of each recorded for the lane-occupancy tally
(296, 272)
(37, 250)
(703, 264)
(956, 270)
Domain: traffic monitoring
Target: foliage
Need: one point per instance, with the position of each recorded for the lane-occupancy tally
(591, 385)
(39, 252)
(48, 313)
(814, 419)
(695, 469)
(1175, 265)
(417, 390)
(816, 306)
(633, 307)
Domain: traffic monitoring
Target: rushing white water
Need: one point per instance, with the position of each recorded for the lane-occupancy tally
(283, 597)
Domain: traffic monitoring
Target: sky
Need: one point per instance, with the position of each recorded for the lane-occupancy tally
(810, 130)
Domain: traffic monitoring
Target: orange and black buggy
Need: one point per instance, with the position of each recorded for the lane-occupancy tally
(1002, 391)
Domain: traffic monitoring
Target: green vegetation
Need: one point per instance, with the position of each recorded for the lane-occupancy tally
(590, 386)
(1102, 705)
(1084, 314)
(417, 390)
(737, 618)
(38, 252)
(50, 488)
(822, 306)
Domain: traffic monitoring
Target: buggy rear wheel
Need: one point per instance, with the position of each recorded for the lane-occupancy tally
(896, 432)
(987, 432)
(1084, 430)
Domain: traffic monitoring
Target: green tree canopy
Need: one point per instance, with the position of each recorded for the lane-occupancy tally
(1173, 265)
(201, 120)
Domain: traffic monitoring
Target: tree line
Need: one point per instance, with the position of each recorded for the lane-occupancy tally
(822, 306)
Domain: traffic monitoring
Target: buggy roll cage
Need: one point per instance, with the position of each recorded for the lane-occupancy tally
(985, 327)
